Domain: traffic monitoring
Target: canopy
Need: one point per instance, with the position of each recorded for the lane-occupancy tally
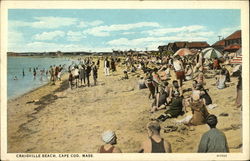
(233, 47)
(183, 52)
(211, 53)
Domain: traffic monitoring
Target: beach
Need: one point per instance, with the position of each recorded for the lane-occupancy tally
(55, 119)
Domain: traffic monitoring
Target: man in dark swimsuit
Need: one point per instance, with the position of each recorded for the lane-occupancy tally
(109, 137)
(155, 143)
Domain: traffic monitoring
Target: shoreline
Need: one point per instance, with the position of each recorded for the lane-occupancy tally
(34, 89)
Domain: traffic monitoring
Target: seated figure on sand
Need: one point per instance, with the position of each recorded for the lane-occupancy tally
(198, 113)
(110, 139)
(200, 79)
(155, 143)
(198, 89)
(214, 140)
(142, 83)
(175, 109)
(188, 72)
(175, 88)
(162, 98)
(226, 73)
(125, 75)
(221, 80)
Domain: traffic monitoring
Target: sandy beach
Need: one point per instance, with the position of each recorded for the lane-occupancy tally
(61, 120)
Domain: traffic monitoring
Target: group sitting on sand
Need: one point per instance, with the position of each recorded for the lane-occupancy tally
(170, 93)
(192, 103)
(170, 96)
(212, 141)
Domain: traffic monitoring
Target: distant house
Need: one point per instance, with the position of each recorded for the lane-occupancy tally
(234, 38)
(199, 45)
(175, 46)
(170, 47)
(163, 48)
(233, 41)
(219, 45)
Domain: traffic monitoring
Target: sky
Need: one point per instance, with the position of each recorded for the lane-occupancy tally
(43, 30)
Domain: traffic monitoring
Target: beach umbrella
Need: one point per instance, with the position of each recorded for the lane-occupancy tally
(183, 52)
(211, 53)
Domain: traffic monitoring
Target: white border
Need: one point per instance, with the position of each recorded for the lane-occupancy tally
(243, 5)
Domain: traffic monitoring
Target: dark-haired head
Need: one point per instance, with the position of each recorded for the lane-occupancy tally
(166, 83)
(174, 81)
(212, 121)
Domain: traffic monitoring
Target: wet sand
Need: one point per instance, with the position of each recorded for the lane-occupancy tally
(63, 120)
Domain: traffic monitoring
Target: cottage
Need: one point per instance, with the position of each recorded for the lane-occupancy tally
(219, 45)
(173, 47)
(198, 45)
(233, 42)
(234, 38)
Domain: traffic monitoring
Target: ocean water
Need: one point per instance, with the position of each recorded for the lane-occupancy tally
(24, 84)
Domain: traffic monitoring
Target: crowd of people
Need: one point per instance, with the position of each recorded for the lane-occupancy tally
(80, 72)
(170, 92)
(53, 73)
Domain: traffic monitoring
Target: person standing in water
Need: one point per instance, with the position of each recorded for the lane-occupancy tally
(34, 73)
(23, 73)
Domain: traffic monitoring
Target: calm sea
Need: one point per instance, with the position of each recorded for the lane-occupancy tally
(26, 83)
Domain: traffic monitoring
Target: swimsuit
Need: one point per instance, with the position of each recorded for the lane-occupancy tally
(157, 147)
(110, 150)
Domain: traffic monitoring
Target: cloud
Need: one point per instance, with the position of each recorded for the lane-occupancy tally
(46, 47)
(105, 30)
(225, 32)
(128, 33)
(95, 32)
(15, 40)
(53, 22)
(15, 36)
(75, 36)
(164, 31)
(45, 22)
(197, 34)
(49, 35)
(92, 23)
(12, 24)
(38, 46)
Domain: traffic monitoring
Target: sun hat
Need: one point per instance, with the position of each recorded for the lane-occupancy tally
(107, 136)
